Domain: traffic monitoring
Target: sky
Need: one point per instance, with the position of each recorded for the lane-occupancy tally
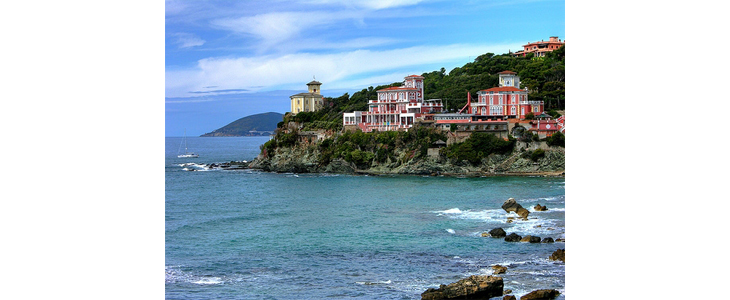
(225, 60)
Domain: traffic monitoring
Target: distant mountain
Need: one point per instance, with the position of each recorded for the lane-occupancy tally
(253, 125)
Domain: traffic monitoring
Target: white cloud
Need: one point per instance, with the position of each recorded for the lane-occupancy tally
(336, 70)
(187, 40)
(369, 4)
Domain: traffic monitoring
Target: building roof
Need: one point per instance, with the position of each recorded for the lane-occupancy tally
(315, 95)
(506, 72)
(314, 82)
(414, 76)
(395, 88)
(503, 89)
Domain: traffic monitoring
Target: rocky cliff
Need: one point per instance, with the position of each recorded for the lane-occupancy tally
(308, 159)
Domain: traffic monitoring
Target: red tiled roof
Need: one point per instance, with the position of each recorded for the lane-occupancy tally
(414, 76)
(506, 72)
(503, 89)
(397, 88)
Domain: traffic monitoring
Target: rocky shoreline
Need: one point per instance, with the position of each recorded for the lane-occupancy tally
(308, 160)
(489, 286)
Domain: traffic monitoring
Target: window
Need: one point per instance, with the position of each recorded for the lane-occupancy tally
(514, 109)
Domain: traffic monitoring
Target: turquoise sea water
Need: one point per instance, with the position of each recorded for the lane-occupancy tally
(255, 235)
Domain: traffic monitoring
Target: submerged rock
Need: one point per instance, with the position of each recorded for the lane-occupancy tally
(474, 287)
(548, 240)
(512, 237)
(497, 233)
(541, 295)
(558, 255)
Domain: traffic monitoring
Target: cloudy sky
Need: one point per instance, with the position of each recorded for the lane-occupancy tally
(228, 59)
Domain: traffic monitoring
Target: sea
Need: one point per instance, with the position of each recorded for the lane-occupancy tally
(247, 234)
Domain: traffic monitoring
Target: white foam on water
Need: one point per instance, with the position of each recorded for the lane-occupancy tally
(373, 282)
(449, 211)
(209, 280)
(450, 231)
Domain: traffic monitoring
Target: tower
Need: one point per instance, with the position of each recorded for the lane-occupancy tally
(509, 78)
(314, 87)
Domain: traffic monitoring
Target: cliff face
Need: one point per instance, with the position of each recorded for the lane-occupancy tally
(307, 159)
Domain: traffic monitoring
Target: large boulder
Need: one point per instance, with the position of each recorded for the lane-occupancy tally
(548, 240)
(512, 237)
(474, 287)
(539, 207)
(509, 297)
(558, 255)
(541, 295)
(512, 206)
(497, 233)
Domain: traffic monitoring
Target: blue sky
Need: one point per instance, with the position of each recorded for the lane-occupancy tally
(228, 59)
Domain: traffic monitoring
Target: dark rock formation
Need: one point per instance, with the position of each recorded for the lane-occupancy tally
(548, 240)
(531, 239)
(474, 287)
(509, 297)
(539, 207)
(497, 233)
(508, 291)
(512, 206)
(558, 255)
(560, 240)
(513, 237)
(499, 269)
(541, 295)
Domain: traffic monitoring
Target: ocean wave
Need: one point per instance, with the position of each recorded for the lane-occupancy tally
(173, 274)
(373, 282)
(449, 230)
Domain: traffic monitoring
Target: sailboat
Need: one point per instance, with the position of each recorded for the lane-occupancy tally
(187, 154)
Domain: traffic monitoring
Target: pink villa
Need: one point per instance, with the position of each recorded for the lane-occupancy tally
(541, 47)
(396, 108)
(505, 101)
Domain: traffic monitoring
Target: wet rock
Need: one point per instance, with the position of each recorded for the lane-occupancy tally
(508, 291)
(512, 237)
(474, 287)
(539, 207)
(541, 295)
(523, 213)
(558, 255)
(499, 269)
(485, 234)
(509, 297)
(548, 240)
(560, 240)
(510, 205)
(497, 233)
(530, 239)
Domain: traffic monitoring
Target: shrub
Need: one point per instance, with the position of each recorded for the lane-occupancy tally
(557, 139)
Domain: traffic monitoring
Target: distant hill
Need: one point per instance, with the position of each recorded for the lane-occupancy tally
(253, 125)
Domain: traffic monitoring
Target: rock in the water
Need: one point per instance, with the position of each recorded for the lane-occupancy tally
(530, 239)
(558, 255)
(499, 269)
(539, 207)
(508, 291)
(510, 205)
(485, 234)
(548, 240)
(560, 240)
(509, 297)
(541, 295)
(523, 213)
(474, 287)
(497, 232)
(513, 237)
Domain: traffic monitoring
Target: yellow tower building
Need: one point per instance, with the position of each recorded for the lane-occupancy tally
(310, 101)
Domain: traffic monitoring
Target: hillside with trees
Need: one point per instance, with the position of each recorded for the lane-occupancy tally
(244, 126)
